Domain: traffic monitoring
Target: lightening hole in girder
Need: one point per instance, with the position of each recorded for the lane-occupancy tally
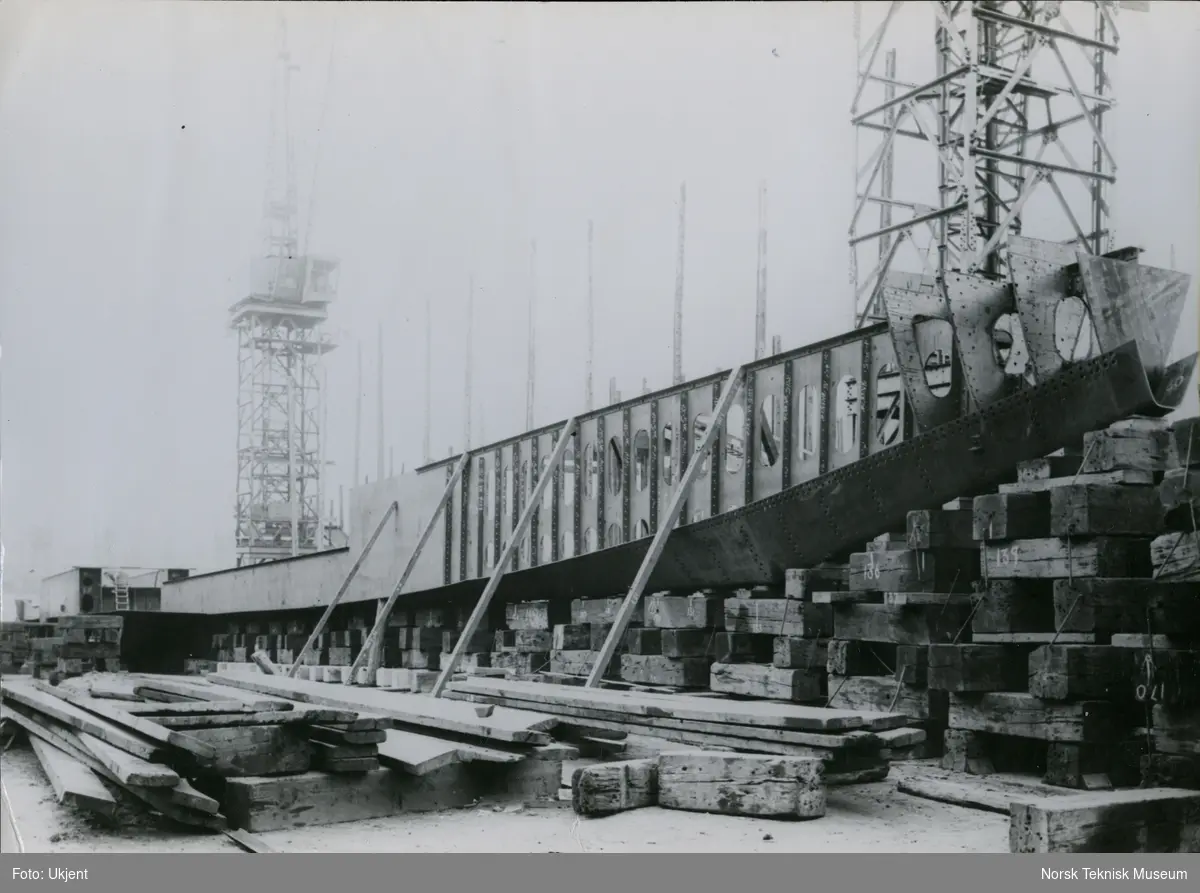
(889, 404)
(668, 454)
(641, 460)
(935, 341)
(1008, 346)
(846, 412)
(616, 462)
(735, 421)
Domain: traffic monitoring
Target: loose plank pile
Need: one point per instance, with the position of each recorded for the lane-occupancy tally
(851, 744)
(153, 737)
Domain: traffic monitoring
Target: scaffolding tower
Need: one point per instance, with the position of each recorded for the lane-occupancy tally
(1013, 120)
(280, 499)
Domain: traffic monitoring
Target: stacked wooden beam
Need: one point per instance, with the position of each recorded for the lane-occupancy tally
(575, 646)
(676, 645)
(90, 642)
(524, 647)
(905, 592)
(774, 641)
(1162, 627)
(852, 744)
(1044, 685)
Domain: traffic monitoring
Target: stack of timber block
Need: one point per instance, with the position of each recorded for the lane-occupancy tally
(774, 644)
(575, 646)
(676, 645)
(906, 592)
(524, 647)
(70, 646)
(1046, 684)
(1163, 627)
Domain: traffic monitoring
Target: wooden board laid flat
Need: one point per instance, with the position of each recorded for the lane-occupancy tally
(1146, 820)
(699, 732)
(73, 782)
(991, 793)
(417, 710)
(747, 713)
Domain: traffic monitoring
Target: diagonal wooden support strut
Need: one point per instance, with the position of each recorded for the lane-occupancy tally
(371, 647)
(362, 557)
(665, 525)
(464, 637)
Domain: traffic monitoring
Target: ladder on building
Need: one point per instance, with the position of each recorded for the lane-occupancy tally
(121, 592)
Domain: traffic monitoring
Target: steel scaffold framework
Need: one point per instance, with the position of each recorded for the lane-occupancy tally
(279, 496)
(1014, 117)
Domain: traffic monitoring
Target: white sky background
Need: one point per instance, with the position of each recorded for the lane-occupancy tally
(133, 152)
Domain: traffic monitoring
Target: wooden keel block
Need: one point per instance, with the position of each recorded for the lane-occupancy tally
(1176, 557)
(765, 681)
(521, 640)
(1155, 820)
(737, 784)
(778, 617)
(532, 615)
(1011, 516)
(932, 529)
(603, 611)
(1024, 716)
(739, 648)
(921, 625)
(1047, 468)
(1049, 559)
(649, 669)
(1112, 450)
(800, 583)
(884, 694)
(614, 787)
(1106, 511)
(684, 611)
(1015, 606)
(799, 654)
(641, 640)
(1064, 672)
(976, 668)
(939, 570)
(676, 643)
(571, 637)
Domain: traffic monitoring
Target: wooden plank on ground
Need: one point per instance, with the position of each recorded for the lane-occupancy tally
(417, 710)
(993, 793)
(750, 713)
(145, 727)
(73, 782)
(250, 843)
(740, 784)
(1153, 820)
(154, 709)
(207, 690)
(23, 693)
(609, 788)
(416, 754)
(127, 768)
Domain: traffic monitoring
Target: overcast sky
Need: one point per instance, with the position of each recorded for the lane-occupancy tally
(433, 141)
